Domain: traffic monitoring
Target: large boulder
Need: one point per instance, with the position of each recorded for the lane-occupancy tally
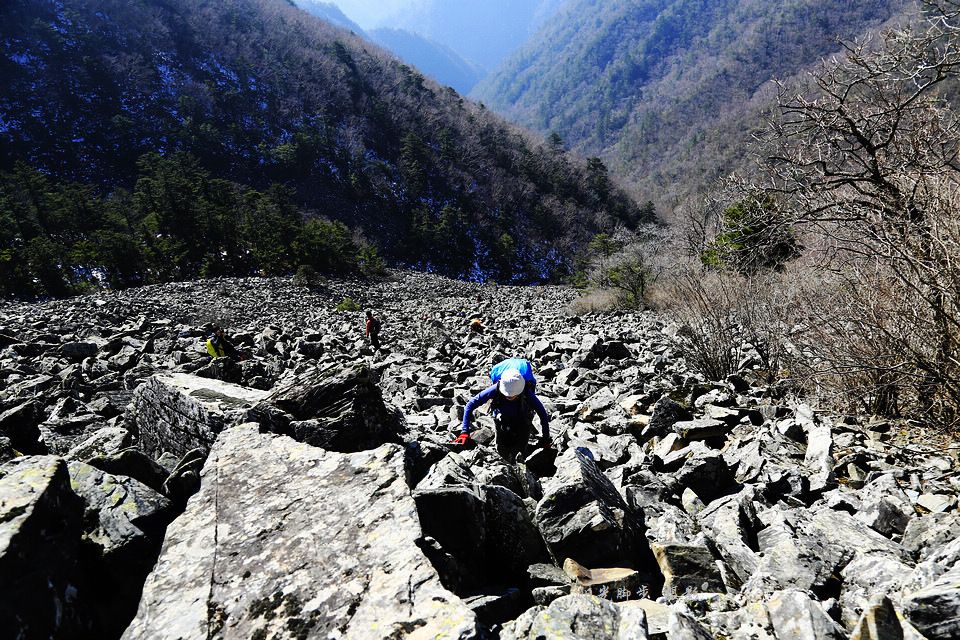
(795, 614)
(513, 541)
(20, 425)
(687, 567)
(134, 464)
(285, 536)
(124, 522)
(178, 412)
(339, 409)
(42, 588)
(583, 516)
(935, 609)
(579, 617)
(731, 523)
(666, 413)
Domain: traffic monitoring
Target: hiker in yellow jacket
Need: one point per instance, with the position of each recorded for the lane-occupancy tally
(219, 346)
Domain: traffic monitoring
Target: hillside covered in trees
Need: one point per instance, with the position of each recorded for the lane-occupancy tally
(669, 92)
(170, 139)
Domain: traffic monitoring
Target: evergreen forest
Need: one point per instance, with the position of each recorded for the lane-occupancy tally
(170, 139)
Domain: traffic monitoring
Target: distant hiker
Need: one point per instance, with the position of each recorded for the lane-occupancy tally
(514, 402)
(373, 329)
(476, 326)
(219, 346)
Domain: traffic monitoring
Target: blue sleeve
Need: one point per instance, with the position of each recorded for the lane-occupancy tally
(475, 402)
(544, 419)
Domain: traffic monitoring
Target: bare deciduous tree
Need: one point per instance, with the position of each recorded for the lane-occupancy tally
(867, 155)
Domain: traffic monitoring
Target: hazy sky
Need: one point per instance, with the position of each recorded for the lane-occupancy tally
(482, 31)
(369, 13)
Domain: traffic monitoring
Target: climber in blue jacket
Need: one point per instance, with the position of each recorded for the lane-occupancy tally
(514, 400)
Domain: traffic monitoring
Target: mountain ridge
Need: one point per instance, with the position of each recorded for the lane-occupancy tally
(667, 92)
(433, 58)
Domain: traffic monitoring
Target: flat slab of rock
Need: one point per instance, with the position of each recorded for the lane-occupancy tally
(614, 583)
(282, 536)
(178, 412)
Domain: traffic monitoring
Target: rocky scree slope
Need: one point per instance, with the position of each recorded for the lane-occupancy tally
(311, 490)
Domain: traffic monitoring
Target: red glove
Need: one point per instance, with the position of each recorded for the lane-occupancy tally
(545, 443)
(463, 438)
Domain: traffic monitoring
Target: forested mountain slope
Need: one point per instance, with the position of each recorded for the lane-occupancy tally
(258, 92)
(668, 92)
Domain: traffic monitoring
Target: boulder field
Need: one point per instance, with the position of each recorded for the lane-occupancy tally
(313, 490)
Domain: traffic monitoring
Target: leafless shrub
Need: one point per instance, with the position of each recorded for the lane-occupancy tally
(635, 269)
(868, 345)
(593, 302)
(868, 158)
(728, 323)
(696, 221)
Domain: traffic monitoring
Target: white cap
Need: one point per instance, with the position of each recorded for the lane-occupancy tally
(511, 383)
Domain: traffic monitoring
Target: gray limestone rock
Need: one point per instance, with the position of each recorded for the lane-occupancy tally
(666, 413)
(700, 428)
(884, 507)
(796, 615)
(122, 515)
(686, 566)
(731, 525)
(582, 516)
(844, 532)
(749, 622)
(866, 576)
(184, 479)
(124, 522)
(7, 452)
(106, 441)
(133, 463)
(792, 559)
(819, 457)
(707, 474)
(880, 621)
(513, 541)
(43, 591)
(935, 609)
(578, 617)
(78, 350)
(450, 471)
(338, 408)
(284, 536)
(925, 533)
(178, 412)
(934, 566)
(21, 425)
(685, 627)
